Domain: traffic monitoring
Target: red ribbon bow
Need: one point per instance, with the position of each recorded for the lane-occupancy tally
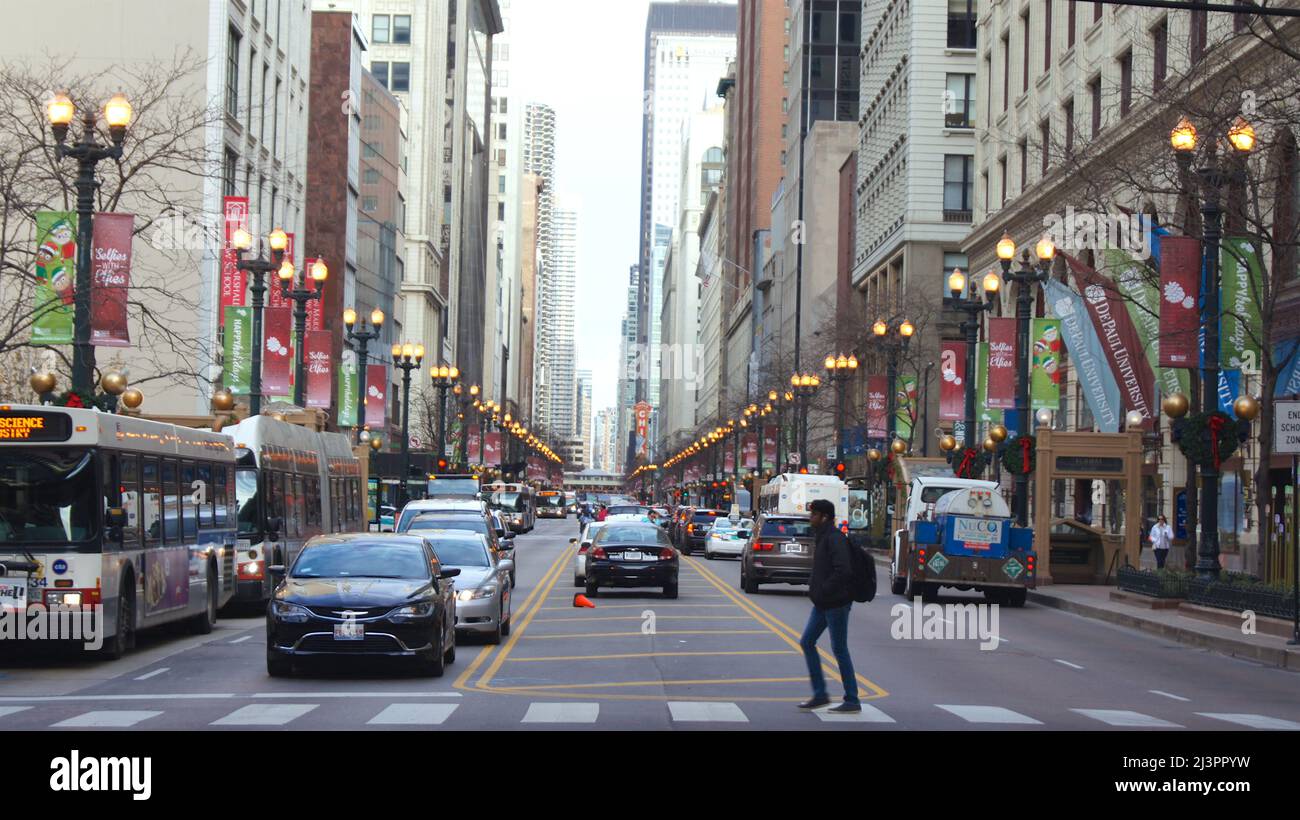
(74, 401)
(967, 459)
(1216, 425)
(1025, 444)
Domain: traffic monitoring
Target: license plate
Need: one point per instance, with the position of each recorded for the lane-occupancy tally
(793, 549)
(632, 556)
(349, 631)
(13, 595)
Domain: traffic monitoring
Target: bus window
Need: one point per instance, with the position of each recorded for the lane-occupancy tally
(189, 512)
(172, 531)
(129, 473)
(246, 496)
(151, 503)
(274, 490)
(204, 475)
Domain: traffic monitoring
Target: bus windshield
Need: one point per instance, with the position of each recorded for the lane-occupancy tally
(443, 487)
(550, 501)
(246, 495)
(507, 501)
(47, 496)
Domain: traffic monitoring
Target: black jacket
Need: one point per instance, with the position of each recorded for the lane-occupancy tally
(831, 585)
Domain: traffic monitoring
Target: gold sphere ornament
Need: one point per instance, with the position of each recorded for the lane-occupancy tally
(1246, 407)
(223, 400)
(132, 397)
(990, 444)
(998, 433)
(43, 383)
(948, 443)
(375, 444)
(873, 454)
(113, 383)
(898, 446)
(1175, 405)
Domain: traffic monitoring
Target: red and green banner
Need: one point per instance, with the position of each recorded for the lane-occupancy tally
(982, 410)
(905, 394)
(277, 331)
(376, 396)
(238, 355)
(233, 280)
(320, 368)
(877, 407)
(473, 443)
(749, 450)
(56, 277)
(1141, 292)
(1001, 384)
(952, 382)
(348, 381)
(1180, 320)
(1241, 275)
(315, 308)
(492, 448)
(1045, 365)
(110, 279)
(769, 447)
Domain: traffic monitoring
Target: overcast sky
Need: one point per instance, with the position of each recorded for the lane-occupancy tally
(585, 58)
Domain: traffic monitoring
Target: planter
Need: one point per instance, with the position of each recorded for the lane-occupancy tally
(1155, 583)
(1239, 597)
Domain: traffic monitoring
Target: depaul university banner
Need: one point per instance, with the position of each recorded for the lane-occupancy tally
(1099, 387)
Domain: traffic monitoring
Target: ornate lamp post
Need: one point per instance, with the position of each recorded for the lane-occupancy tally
(839, 369)
(804, 386)
(407, 357)
(88, 152)
(464, 399)
(968, 302)
(301, 294)
(893, 335)
(241, 240)
(444, 377)
(362, 338)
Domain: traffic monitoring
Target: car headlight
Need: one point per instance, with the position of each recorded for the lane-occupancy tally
(412, 612)
(290, 613)
(485, 591)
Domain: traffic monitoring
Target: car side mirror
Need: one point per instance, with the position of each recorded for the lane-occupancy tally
(573, 540)
(449, 573)
(506, 565)
(277, 572)
(501, 533)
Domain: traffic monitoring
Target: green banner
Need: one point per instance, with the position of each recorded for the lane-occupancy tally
(56, 277)
(237, 374)
(1239, 330)
(347, 387)
(905, 406)
(1140, 287)
(1045, 364)
(982, 411)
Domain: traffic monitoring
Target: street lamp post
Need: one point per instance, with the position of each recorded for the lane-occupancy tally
(1213, 176)
(87, 152)
(464, 399)
(362, 338)
(1025, 278)
(839, 369)
(242, 241)
(804, 385)
(894, 337)
(375, 443)
(301, 294)
(407, 357)
(967, 301)
(444, 377)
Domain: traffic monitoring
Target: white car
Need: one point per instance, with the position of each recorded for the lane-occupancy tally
(433, 505)
(584, 544)
(726, 538)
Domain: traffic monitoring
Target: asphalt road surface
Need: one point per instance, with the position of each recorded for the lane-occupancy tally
(715, 658)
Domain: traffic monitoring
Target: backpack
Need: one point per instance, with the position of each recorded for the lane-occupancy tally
(864, 574)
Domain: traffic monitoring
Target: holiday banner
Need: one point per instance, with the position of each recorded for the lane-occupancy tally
(877, 405)
(1180, 287)
(729, 461)
(952, 382)
(905, 406)
(276, 332)
(320, 368)
(1045, 365)
(1001, 384)
(110, 278)
(376, 396)
(982, 410)
(1120, 341)
(769, 447)
(1242, 282)
(56, 277)
(238, 371)
(233, 280)
(1098, 384)
(347, 398)
(474, 443)
(1141, 293)
(315, 307)
(492, 448)
(749, 447)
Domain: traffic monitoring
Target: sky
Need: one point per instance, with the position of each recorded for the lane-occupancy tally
(585, 59)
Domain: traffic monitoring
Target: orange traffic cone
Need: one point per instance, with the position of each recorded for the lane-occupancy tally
(582, 600)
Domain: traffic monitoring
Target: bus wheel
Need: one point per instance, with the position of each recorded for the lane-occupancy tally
(124, 636)
(203, 623)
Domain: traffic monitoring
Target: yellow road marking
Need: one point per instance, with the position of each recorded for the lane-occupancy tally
(639, 634)
(777, 625)
(657, 606)
(713, 682)
(656, 655)
(657, 618)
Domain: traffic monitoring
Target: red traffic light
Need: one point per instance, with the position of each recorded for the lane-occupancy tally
(839, 468)
(803, 470)
(442, 464)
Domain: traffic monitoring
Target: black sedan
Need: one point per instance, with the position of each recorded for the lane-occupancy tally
(362, 594)
(632, 554)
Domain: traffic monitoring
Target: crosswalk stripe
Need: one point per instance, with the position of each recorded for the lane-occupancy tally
(706, 712)
(1253, 721)
(869, 714)
(1122, 717)
(987, 714)
(414, 714)
(9, 710)
(562, 713)
(108, 718)
(265, 714)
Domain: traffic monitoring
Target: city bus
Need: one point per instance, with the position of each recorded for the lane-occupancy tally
(551, 504)
(128, 521)
(516, 503)
(291, 483)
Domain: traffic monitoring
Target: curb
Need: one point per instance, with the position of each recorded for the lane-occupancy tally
(1286, 659)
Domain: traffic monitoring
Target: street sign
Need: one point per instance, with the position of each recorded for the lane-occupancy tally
(415, 442)
(1286, 427)
(830, 453)
(794, 458)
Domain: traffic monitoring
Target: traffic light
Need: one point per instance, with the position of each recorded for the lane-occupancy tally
(839, 469)
(442, 465)
(803, 471)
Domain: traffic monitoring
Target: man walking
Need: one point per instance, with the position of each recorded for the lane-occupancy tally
(831, 591)
(1162, 536)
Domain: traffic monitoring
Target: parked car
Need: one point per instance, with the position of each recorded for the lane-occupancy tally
(483, 588)
(727, 538)
(697, 529)
(632, 554)
(584, 546)
(779, 550)
(362, 594)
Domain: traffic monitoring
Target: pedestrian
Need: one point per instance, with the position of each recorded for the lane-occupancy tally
(831, 591)
(1162, 536)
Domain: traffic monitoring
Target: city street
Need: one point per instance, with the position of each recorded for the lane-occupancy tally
(717, 659)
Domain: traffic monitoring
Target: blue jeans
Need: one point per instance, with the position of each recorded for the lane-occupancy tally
(838, 621)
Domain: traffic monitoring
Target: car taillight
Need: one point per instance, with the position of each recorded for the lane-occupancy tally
(920, 558)
(666, 554)
(844, 527)
(598, 552)
(690, 528)
(764, 546)
(583, 548)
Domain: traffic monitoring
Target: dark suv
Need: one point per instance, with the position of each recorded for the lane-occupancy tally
(695, 530)
(780, 551)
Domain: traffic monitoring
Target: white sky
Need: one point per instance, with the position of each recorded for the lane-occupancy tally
(585, 58)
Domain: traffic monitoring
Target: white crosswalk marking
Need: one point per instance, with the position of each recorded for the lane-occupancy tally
(1253, 721)
(1121, 717)
(689, 711)
(869, 714)
(9, 710)
(988, 714)
(562, 713)
(265, 714)
(108, 718)
(413, 714)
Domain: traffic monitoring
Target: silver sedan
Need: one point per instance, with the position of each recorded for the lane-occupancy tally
(483, 588)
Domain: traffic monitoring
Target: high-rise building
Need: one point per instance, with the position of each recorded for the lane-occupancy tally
(583, 411)
(538, 160)
(557, 327)
(605, 434)
(503, 315)
(687, 48)
(631, 360)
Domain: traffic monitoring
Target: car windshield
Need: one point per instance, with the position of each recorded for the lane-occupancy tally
(440, 487)
(629, 510)
(788, 527)
(643, 535)
(460, 552)
(47, 496)
(362, 559)
(705, 516)
(472, 523)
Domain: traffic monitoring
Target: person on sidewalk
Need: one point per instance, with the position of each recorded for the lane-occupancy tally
(831, 591)
(1162, 537)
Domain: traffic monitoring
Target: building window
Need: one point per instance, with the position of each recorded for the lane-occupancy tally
(1069, 25)
(501, 212)
(248, 111)
(371, 176)
(402, 29)
(1094, 92)
(1125, 82)
(369, 204)
(952, 259)
(1002, 173)
(1006, 70)
(368, 150)
(1096, 12)
(1160, 52)
(232, 73)
(959, 110)
(380, 70)
(500, 51)
(1024, 29)
(379, 28)
(228, 173)
(1023, 147)
(988, 90)
(1069, 127)
(401, 77)
(1047, 35)
(1197, 35)
(961, 24)
(501, 183)
(957, 182)
(1045, 139)
(501, 131)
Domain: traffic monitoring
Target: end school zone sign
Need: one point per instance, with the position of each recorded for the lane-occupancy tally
(1286, 427)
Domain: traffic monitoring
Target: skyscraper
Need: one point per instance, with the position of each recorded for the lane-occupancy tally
(557, 325)
(539, 160)
(629, 361)
(583, 411)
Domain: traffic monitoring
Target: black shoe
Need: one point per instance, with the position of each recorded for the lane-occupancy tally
(846, 708)
(814, 703)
